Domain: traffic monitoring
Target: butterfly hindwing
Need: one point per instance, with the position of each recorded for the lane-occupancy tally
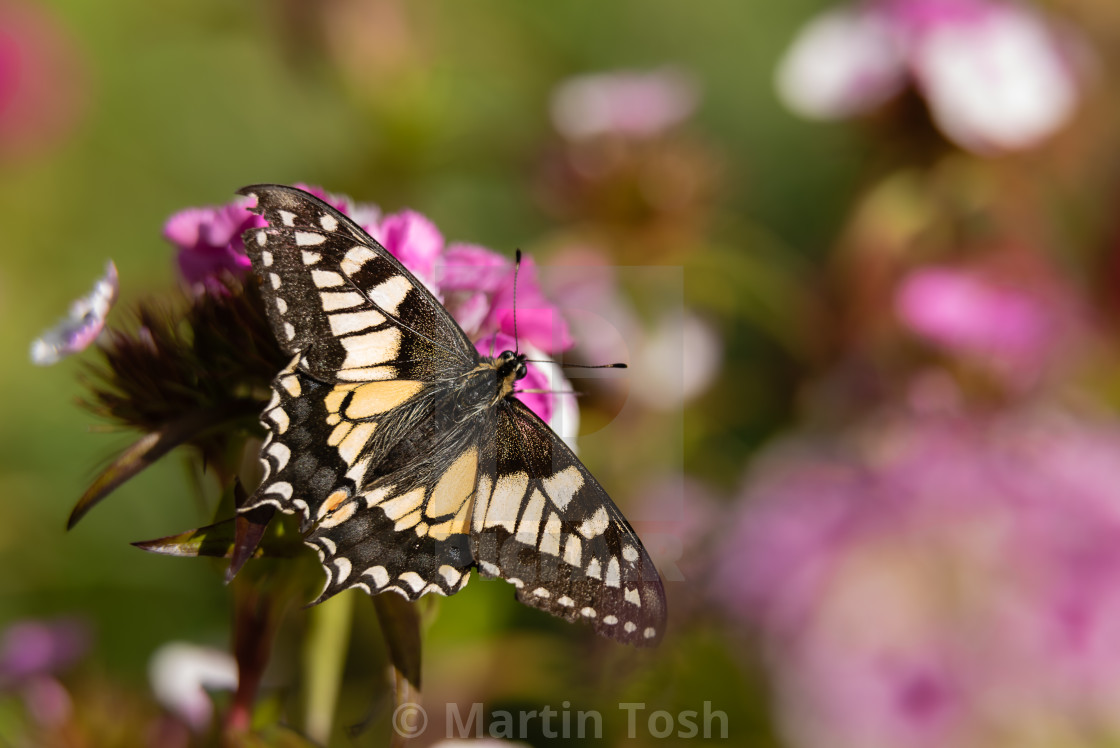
(542, 522)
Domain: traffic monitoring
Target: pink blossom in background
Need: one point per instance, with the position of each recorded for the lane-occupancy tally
(478, 287)
(997, 76)
(1016, 325)
(209, 240)
(412, 239)
(625, 102)
(42, 92)
(32, 653)
(936, 582)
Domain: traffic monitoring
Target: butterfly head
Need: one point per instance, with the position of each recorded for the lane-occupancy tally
(511, 366)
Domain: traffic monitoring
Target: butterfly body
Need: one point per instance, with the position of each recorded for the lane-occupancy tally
(406, 453)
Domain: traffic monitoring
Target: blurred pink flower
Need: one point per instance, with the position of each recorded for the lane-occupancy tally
(1014, 325)
(412, 239)
(478, 288)
(41, 86)
(32, 647)
(208, 239)
(997, 76)
(625, 102)
(946, 582)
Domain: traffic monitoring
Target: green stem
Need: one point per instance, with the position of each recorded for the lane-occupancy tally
(328, 638)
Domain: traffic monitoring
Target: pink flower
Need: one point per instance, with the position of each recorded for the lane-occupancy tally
(41, 80)
(942, 582)
(478, 287)
(996, 76)
(1013, 325)
(209, 240)
(412, 239)
(628, 103)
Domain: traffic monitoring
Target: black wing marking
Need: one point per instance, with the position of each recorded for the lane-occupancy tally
(542, 522)
(338, 297)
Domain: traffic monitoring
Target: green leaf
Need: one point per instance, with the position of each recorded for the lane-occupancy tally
(150, 448)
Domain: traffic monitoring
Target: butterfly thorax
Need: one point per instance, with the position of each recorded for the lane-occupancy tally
(507, 369)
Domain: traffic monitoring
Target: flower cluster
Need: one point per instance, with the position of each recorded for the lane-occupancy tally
(996, 76)
(933, 591)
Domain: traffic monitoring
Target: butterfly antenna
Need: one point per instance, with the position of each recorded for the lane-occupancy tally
(578, 366)
(516, 270)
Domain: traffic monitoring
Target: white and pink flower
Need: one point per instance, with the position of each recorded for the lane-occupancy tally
(997, 76)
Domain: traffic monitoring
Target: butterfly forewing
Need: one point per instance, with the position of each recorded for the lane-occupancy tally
(544, 523)
(386, 436)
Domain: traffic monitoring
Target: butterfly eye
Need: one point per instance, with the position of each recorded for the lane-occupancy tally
(522, 371)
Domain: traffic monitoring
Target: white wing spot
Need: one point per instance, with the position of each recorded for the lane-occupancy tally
(630, 627)
(566, 601)
(281, 488)
(281, 305)
(530, 524)
(310, 258)
(348, 323)
(650, 632)
(280, 418)
(335, 300)
(281, 454)
(594, 570)
(506, 500)
(274, 279)
(573, 550)
(632, 597)
(596, 524)
(450, 574)
(391, 293)
(287, 217)
(542, 592)
(550, 540)
(289, 330)
(343, 565)
(309, 239)
(413, 580)
(326, 278)
(379, 574)
(587, 612)
(266, 258)
(328, 222)
(262, 237)
(610, 620)
(613, 577)
(630, 553)
(489, 568)
(562, 486)
(328, 544)
(371, 349)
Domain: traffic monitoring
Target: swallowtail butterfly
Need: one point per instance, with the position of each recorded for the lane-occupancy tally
(404, 452)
